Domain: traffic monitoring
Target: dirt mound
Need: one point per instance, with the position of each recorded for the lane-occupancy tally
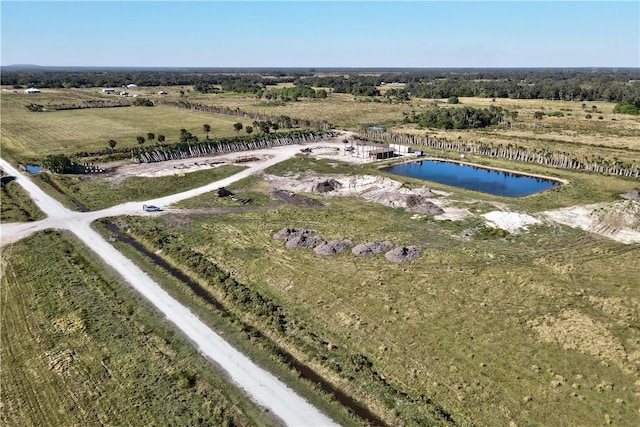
(333, 247)
(416, 203)
(403, 254)
(371, 248)
(289, 233)
(327, 186)
(303, 241)
(293, 198)
(424, 191)
(631, 195)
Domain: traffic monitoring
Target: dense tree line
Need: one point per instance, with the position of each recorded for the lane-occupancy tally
(457, 118)
(620, 86)
(287, 94)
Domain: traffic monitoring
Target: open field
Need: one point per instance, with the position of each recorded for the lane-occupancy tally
(29, 136)
(535, 327)
(565, 126)
(549, 333)
(80, 348)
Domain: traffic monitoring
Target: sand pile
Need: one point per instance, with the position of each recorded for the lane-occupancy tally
(333, 247)
(371, 248)
(403, 254)
(510, 221)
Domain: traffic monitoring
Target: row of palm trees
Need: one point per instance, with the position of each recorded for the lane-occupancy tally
(516, 152)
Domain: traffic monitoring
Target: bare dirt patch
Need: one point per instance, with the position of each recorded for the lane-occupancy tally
(512, 222)
(376, 189)
(293, 199)
(619, 221)
(573, 330)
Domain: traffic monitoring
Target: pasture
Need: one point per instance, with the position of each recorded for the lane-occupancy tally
(81, 348)
(489, 328)
(30, 136)
(538, 327)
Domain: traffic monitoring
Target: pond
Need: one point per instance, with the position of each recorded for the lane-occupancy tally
(33, 169)
(499, 183)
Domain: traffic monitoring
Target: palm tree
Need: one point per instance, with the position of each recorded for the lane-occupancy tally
(140, 140)
(206, 129)
(112, 143)
(249, 129)
(160, 139)
(237, 127)
(151, 136)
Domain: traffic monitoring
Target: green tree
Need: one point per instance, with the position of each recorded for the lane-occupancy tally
(206, 129)
(453, 100)
(151, 136)
(237, 127)
(248, 129)
(140, 140)
(112, 144)
(161, 139)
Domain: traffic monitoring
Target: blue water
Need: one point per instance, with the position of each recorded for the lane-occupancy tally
(34, 169)
(474, 178)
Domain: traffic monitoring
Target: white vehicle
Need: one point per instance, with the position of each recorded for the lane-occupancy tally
(151, 208)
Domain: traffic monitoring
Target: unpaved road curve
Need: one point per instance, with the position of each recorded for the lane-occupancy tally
(261, 386)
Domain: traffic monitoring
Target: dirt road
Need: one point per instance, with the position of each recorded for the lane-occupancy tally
(261, 386)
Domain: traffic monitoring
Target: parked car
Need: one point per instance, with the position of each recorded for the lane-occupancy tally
(151, 208)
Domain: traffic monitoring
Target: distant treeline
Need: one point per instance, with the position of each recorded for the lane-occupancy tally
(622, 86)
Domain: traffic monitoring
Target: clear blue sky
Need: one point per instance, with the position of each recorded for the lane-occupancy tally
(322, 34)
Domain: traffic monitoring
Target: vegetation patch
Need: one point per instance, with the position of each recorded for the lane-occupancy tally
(83, 349)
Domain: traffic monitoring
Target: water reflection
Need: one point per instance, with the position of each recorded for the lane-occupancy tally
(474, 178)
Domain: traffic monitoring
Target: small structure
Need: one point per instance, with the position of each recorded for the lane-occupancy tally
(32, 90)
(162, 92)
(131, 86)
(108, 90)
(381, 153)
(400, 149)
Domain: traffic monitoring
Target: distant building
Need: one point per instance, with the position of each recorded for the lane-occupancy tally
(32, 90)
(108, 90)
(131, 86)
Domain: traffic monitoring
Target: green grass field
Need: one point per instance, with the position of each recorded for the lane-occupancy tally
(81, 348)
(29, 136)
(16, 206)
(536, 328)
